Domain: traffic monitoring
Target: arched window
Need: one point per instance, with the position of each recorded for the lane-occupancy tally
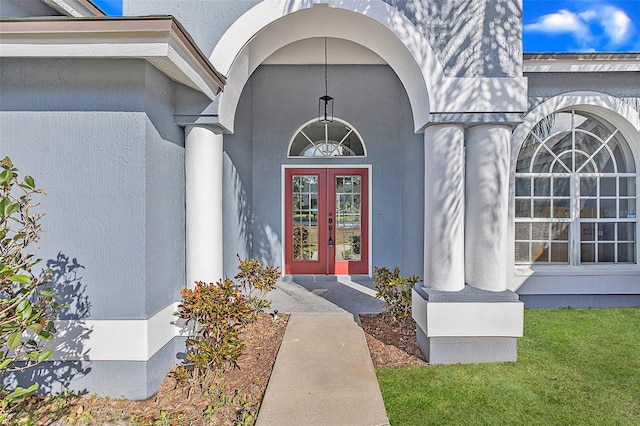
(576, 193)
(335, 139)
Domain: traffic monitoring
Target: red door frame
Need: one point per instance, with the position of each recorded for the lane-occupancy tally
(326, 263)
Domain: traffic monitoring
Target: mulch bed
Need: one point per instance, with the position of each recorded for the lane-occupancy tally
(228, 396)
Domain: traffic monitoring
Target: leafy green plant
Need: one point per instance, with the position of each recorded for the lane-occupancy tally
(395, 291)
(219, 313)
(27, 304)
(255, 281)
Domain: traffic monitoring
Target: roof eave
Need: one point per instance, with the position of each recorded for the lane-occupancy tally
(160, 40)
(581, 62)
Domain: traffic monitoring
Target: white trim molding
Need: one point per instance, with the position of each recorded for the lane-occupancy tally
(115, 340)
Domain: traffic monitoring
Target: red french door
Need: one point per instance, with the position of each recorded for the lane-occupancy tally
(326, 221)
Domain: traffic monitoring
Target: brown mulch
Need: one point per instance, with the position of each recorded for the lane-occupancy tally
(391, 344)
(227, 397)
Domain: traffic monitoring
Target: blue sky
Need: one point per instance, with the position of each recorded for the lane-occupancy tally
(557, 25)
(581, 25)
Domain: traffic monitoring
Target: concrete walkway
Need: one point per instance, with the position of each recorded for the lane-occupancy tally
(323, 375)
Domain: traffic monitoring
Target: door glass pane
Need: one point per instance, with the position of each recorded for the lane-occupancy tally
(348, 218)
(305, 217)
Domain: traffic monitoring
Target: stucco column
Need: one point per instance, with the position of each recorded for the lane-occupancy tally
(487, 202)
(444, 207)
(203, 197)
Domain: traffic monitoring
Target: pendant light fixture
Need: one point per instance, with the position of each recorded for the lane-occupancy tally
(325, 104)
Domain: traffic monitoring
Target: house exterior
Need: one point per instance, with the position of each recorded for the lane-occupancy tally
(186, 132)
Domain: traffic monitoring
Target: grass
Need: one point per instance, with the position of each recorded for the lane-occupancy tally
(575, 367)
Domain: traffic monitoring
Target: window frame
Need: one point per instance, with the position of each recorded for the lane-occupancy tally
(575, 221)
(352, 130)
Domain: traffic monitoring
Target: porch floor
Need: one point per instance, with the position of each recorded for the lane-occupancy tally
(325, 293)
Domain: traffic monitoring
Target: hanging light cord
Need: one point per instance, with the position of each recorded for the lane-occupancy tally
(326, 88)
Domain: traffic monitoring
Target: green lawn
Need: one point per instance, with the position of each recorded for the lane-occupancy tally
(575, 367)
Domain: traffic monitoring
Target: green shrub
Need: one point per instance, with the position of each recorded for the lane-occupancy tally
(27, 305)
(219, 313)
(395, 291)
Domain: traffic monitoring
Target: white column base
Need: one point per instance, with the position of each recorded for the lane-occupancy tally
(470, 326)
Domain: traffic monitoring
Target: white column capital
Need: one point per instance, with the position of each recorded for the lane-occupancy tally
(208, 127)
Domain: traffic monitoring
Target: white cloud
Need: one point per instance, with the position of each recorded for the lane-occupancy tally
(588, 15)
(561, 22)
(616, 24)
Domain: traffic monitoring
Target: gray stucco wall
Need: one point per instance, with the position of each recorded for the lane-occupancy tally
(623, 85)
(377, 106)
(83, 130)
(205, 20)
(164, 195)
(99, 136)
(470, 37)
(25, 8)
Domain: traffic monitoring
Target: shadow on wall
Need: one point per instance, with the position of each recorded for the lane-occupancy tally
(244, 214)
(267, 245)
(57, 376)
(452, 28)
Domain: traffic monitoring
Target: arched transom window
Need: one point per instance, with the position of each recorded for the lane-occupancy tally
(575, 193)
(335, 139)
